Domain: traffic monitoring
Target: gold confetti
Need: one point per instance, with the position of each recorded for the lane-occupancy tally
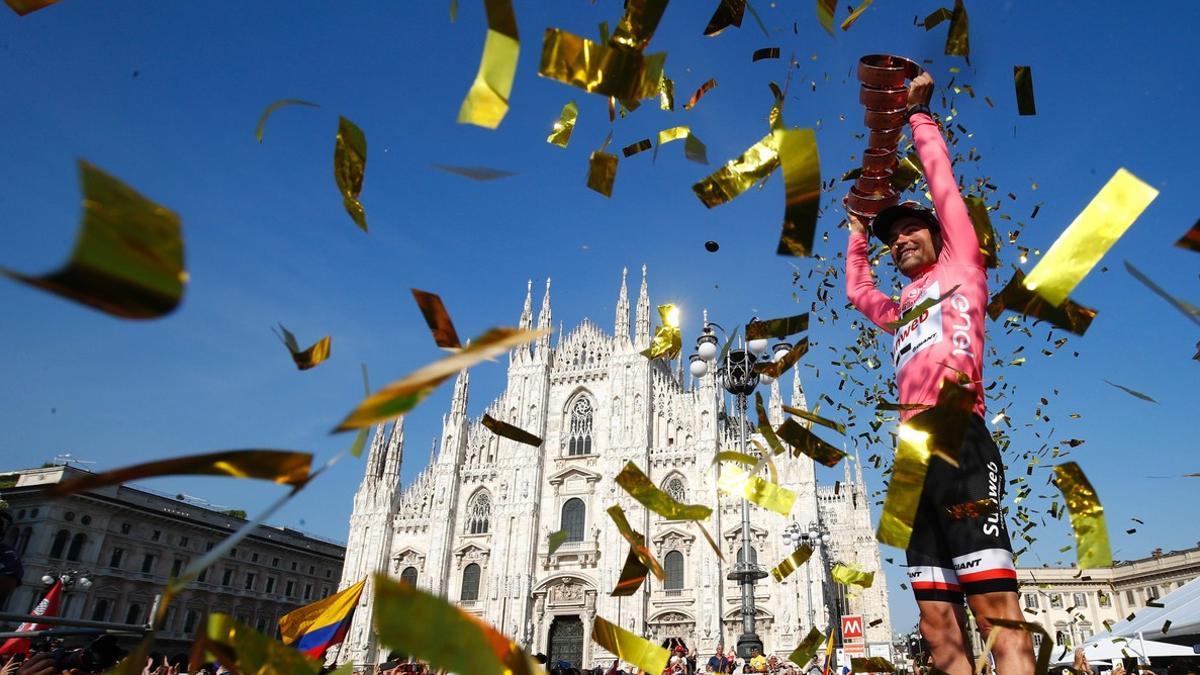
(734, 456)
(989, 245)
(280, 466)
(904, 489)
(23, 7)
(479, 173)
(262, 120)
(855, 14)
(804, 414)
(437, 318)
(728, 13)
(561, 135)
(802, 182)
(1089, 236)
(1191, 239)
(957, 42)
(1023, 79)
(602, 169)
(807, 649)
(487, 100)
(920, 308)
(907, 172)
(1087, 516)
(349, 166)
(777, 328)
(1017, 297)
(556, 539)
(708, 537)
(936, 18)
(446, 637)
(806, 442)
(360, 439)
(739, 174)
(666, 93)
(1190, 311)
(765, 53)
(826, 9)
(848, 576)
(976, 509)
(1047, 643)
(637, 541)
(699, 94)
(1131, 392)
(128, 258)
(768, 495)
(511, 432)
(777, 368)
(668, 340)
(635, 148)
(307, 358)
(402, 395)
(693, 148)
(874, 664)
(629, 647)
(243, 650)
(639, 486)
(789, 564)
(633, 575)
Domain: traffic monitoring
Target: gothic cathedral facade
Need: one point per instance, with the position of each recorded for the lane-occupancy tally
(473, 526)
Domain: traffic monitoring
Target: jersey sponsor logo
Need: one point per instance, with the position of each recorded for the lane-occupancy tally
(991, 526)
(921, 333)
(960, 335)
(970, 564)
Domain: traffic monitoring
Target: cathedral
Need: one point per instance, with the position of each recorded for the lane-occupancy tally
(473, 526)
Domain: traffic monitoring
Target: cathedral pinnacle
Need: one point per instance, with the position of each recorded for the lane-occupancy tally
(642, 316)
(545, 319)
(527, 313)
(621, 324)
(458, 404)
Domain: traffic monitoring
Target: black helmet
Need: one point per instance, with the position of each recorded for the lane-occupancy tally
(883, 222)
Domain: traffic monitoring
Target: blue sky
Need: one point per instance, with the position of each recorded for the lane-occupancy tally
(166, 95)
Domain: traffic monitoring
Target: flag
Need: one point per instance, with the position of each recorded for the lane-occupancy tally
(49, 606)
(828, 653)
(314, 628)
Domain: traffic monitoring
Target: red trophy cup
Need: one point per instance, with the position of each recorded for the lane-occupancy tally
(885, 96)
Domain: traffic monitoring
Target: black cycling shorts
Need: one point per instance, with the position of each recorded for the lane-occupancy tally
(950, 557)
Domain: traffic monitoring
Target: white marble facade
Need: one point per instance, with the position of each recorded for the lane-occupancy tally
(473, 525)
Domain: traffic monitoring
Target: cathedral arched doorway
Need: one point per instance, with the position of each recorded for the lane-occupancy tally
(565, 641)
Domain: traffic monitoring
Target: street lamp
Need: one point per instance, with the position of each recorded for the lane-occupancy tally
(795, 536)
(68, 578)
(736, 372)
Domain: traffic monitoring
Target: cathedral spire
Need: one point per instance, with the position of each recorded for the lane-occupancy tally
(527, 313)
(642, 318)
(545, 319)
(775, 406)
(798, 399)
(621, 325)
(395, 452)
(375, 457)
(458, 404)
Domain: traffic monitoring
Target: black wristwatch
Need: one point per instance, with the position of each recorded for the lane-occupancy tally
(914, 109)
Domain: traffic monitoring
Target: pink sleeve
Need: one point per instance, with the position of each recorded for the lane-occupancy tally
(958, 236)
(860, 285)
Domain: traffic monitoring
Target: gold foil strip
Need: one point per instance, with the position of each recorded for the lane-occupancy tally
(728, 13)
(629, 647)
(602, 169)
(128, 257)
(280, 466)
(848, 576)
(668, 340)
(1191, 239)
(561, 134)
(976, 509)
(874, 664)
(402, 395)
(904, 489)
(885, 405)
(633, 575)
(768, 495)
(479, 173)
(349, 166)
(487, 100)
(855, 14)
(704, 88)
(243, 650)
(765, 53)
(957, 38)
(281, 103)
(711, 542)
(431, 629)
(937, 17)
(624, 74)
(804, 414)
(806, 442)
(437, 318)
(907, 172)
(764, 428)
(734, 456)
(789, 564)
(306, 358)
(989, 244)
(777, 328)
(666, 92)
(739, 174)
(636, 540)
(1190, 311)
(947, 421)
(777, 368)
(765, 459)
(360, 439)
(1070, 316)
(1131, 392)
(920, 308)
(511, 432)
(807, 649)
(23, 7)
(634, 148)
(826, 9)
(693, 148)
(1047, 643)
(1023, 79)
(639, 486)
(802, 183)
(1089, 236)
(555, 540)
(1087, 516)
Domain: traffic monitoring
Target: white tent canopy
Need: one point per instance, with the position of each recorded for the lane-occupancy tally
(1113, 649)
(1181, 607)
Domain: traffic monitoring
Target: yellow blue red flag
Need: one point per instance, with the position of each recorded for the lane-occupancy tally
(314, 628)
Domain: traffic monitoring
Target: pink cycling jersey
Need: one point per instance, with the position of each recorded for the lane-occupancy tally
(947, 337)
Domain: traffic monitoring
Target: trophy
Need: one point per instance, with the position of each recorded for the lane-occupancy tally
(885, 97)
